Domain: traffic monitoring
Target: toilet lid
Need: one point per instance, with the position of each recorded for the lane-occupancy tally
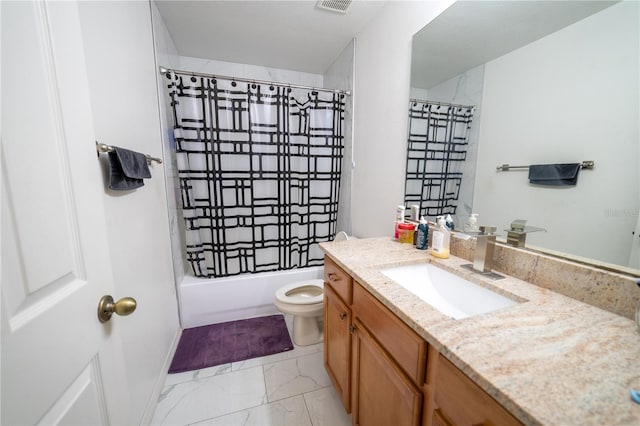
(301, 293)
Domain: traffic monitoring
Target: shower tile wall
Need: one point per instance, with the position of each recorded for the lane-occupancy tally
(250, 71)
(219, 68)
(340, 76)
(167, 55)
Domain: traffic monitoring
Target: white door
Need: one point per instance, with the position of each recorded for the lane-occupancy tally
(58, 361)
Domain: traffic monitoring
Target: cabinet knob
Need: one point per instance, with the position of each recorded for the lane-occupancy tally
(333, 276)
(342, 316)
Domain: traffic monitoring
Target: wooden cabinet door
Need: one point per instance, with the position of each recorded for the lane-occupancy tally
(463, 402)
(337, 344)
(383, 394)
(408, 350)
(438, 419)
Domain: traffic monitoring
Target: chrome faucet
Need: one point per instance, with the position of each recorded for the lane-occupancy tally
(517, 235)
(485, 243)
(483, 255)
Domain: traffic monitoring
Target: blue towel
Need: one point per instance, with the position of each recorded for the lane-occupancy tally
(554, 174)
(127, 169)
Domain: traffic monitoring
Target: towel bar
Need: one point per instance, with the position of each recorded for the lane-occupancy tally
(101, 147)
(505, 167)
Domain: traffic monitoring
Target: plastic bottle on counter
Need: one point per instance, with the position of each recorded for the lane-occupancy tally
(399, 219)
(415, 212)
(405, 232)
(440, 240)
(422, 241)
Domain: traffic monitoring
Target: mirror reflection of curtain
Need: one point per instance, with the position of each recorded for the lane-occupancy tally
(259, 168)
(436, 151)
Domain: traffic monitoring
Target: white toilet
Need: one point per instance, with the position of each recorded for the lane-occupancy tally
(303, 300)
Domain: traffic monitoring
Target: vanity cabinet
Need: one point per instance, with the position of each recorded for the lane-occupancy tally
(386, 374)
(375, 361)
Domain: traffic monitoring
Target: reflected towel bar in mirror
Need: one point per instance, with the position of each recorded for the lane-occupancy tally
(505, 167)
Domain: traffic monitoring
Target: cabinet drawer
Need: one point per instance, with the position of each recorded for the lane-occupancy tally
(464, 402)
(405, 346)
(338, 279)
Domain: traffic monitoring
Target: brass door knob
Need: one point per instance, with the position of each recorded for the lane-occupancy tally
(107, 307)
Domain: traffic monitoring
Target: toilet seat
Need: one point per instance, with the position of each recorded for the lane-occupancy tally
(301, 297)
(341, 236)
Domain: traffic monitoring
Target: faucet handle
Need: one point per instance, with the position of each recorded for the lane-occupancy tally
(488, 230)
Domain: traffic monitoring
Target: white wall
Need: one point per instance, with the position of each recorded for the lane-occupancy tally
(381, 93)
(167, 56)
(122, 80)
(569, 97)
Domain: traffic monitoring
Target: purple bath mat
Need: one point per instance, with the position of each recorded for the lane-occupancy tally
(216, 344)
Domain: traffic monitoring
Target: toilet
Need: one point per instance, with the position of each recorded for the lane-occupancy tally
(304, 300)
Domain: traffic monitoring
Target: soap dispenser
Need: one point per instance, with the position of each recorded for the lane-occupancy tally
(440, 240)
(471, 225)
(449, 222)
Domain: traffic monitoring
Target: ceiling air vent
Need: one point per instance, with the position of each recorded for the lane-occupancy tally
(339, 6)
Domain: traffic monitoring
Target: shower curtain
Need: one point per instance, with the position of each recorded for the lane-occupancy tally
(436, 151)
(259, 169)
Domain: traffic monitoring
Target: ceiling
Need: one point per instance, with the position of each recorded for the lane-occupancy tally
(471, 33)
(292, 35)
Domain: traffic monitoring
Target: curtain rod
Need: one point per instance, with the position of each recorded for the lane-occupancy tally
(164, 70)
(442, 103)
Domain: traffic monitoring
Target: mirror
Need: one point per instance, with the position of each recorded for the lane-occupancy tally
(552, 82)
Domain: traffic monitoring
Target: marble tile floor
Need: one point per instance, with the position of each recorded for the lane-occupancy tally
(289, 388)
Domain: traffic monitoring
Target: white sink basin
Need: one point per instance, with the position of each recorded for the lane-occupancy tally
(450, 294)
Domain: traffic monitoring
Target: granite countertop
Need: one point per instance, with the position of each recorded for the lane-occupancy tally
(549, 360)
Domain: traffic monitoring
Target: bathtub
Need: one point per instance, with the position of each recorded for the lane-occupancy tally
(212, 300)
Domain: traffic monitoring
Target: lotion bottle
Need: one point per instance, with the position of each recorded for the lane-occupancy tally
(440, 240)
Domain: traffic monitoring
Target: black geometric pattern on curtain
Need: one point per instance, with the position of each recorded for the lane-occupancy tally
(436, 150)
(259, 169)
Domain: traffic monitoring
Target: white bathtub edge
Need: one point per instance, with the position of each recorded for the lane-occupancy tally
(211, 301)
